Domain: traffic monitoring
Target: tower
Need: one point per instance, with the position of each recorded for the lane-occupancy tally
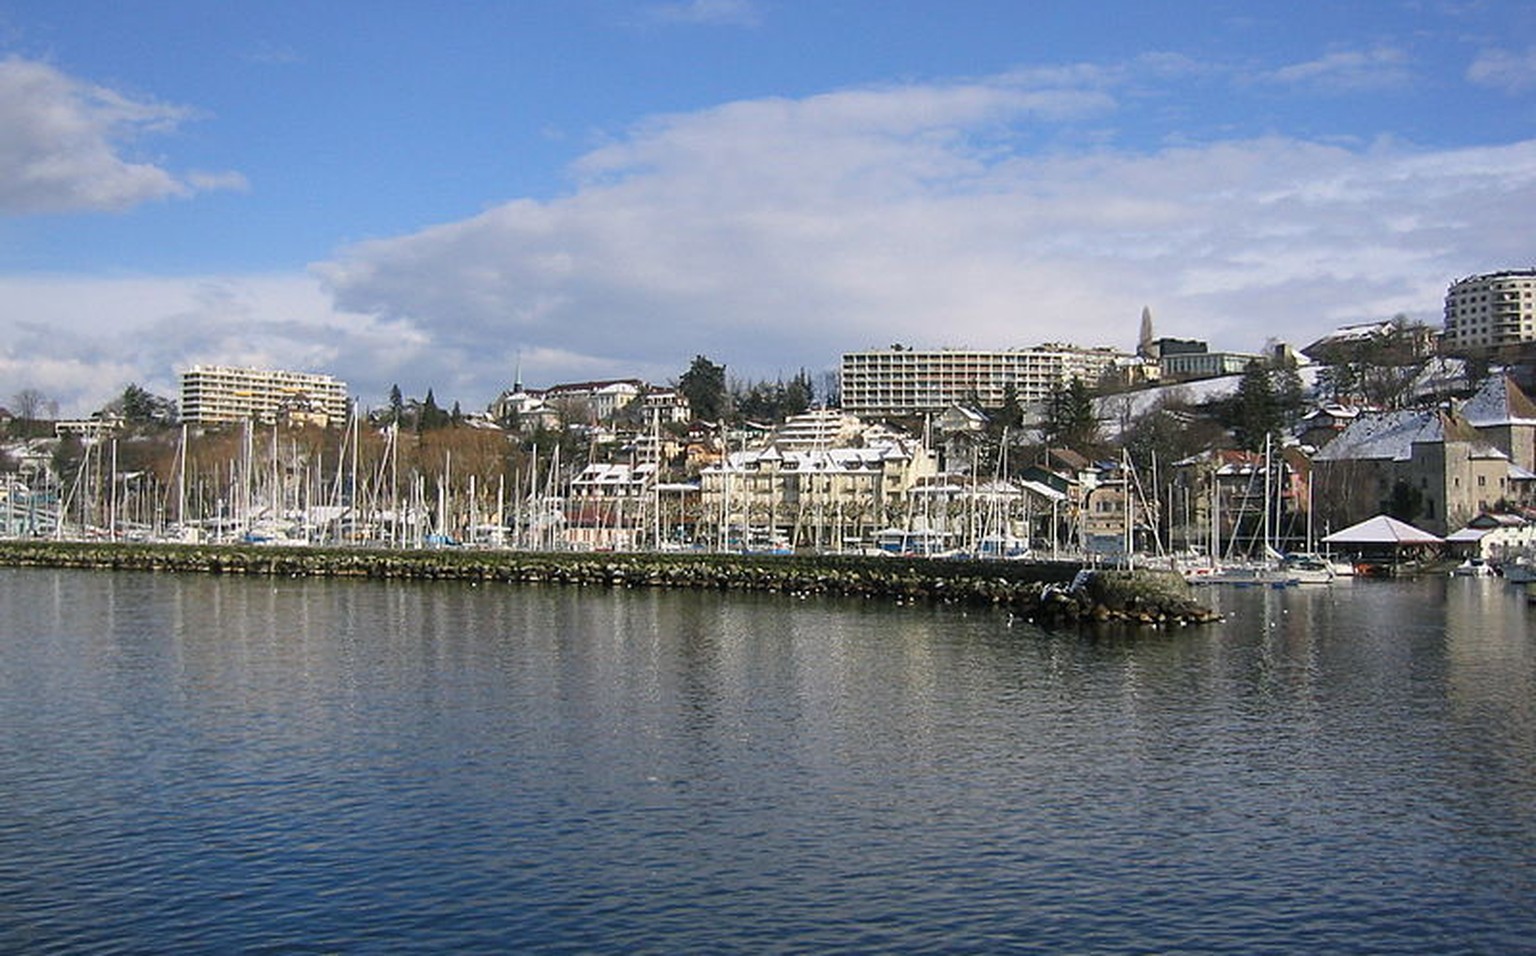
(1144, 342)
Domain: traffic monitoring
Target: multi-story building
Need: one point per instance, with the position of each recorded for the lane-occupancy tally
(822, 498)
(611, 506)
(1432, 465)
(1188, 366)
(900, 381)
(595, 401)
(1491, 314)
(211, 394)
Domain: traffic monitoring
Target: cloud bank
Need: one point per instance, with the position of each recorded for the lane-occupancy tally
(63, 145)
(776, 234)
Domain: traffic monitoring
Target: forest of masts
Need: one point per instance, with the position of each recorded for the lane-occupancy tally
(356, 485)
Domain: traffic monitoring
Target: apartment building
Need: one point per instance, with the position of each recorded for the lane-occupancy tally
(823, 498)
(211, 394)
(900, 381)
(1491, 314)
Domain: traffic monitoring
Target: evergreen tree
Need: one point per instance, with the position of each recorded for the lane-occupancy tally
(704, 387)
(1256, 410)
(798, 395)
(1011, 414)
(140, 407)
(1289, 391)
(431, 417)
(1069, 418)
(396, 405)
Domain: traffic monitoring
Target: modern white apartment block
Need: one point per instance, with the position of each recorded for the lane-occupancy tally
(900, 381)
(1486, 314)
(211, 394)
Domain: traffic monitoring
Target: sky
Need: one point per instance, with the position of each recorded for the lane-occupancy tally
(447, 195)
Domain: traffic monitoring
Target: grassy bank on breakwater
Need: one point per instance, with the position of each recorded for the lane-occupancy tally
(1039, 591)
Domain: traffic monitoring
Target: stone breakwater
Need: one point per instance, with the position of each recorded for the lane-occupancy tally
(1046, 592)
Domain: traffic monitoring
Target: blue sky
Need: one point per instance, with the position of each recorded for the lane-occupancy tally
(434, 194)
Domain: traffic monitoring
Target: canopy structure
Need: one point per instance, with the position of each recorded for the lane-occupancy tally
(1382, 530)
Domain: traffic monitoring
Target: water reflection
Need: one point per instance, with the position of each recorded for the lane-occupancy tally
(292, 764)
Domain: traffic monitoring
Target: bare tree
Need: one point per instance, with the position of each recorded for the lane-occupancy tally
(28, 402)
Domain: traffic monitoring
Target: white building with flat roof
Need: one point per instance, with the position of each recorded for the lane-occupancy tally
(1489, 313)
(901, 381)
(212, 394)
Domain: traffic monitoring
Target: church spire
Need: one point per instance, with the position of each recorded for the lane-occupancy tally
(1144, 343)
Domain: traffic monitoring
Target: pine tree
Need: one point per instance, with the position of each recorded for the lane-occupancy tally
(1069, 418)
(704, 387)
(396, 405)
(1256, 411)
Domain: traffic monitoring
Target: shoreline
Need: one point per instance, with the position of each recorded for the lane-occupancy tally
(1042, 592)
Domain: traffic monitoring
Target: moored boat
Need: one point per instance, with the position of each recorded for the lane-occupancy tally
(1519, 571)
(1309, 568)
(1473, 568)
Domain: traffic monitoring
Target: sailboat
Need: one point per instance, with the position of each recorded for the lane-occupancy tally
(1272, 569)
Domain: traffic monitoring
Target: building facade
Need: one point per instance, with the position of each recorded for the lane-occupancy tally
(1187, 366)
(215, 394)
(823, 499)
(1491, 314)
(899, 381)
(1430, 465)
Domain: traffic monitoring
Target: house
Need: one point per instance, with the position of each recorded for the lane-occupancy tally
(1496, 538)
(668, 406)
(612, 506)
(1430, 465)
(1323, 424)
(593, 401)
(1506, 417)
(1115, 516)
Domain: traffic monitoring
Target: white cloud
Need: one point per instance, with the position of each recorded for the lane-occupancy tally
(1513, 73)
(776, 234)
(710, 12)
(1348, 71)
(62, 148)
(81, 339)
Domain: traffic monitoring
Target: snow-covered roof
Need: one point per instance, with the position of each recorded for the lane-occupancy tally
(1499, 401)
(1382, 529)
(1467, 535)
(1350, 334)
(1384, 435)
(1043, 490)
(807, 460)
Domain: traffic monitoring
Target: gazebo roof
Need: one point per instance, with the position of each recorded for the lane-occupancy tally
(1382, 529)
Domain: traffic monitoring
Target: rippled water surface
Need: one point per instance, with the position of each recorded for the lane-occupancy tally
(198, 764)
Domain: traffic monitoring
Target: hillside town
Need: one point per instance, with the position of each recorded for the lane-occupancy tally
(1171, 451)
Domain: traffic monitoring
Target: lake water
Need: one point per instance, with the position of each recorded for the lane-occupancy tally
(205, 764)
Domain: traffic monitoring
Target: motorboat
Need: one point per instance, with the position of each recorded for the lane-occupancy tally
(1519, 571)
(1244, 575)
(1309, 568)
(1473, 568)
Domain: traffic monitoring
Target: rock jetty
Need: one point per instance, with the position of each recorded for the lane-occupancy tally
(1050, 593)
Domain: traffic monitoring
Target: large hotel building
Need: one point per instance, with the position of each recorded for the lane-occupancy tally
(1491, 313)
(211, 394)
(900, 381)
